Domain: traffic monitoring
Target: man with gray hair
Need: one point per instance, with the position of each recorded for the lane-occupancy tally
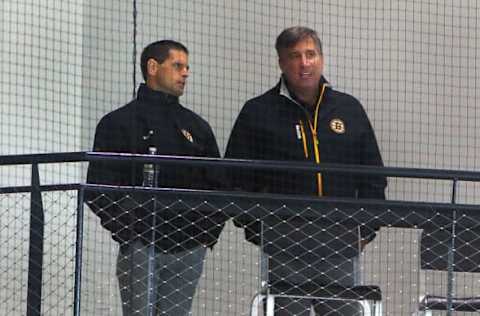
(303, 119)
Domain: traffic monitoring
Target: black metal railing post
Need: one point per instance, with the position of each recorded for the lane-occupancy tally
(451, 252)
(35, 252)
(78, 253)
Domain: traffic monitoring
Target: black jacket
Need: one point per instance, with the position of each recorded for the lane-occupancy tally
(275, 127)
(155, 119)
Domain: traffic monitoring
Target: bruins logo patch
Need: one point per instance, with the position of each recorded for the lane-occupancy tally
(337, 126)
(187, 135)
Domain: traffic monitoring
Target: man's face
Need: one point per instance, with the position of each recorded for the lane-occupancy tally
(302, 65)
(171, 75)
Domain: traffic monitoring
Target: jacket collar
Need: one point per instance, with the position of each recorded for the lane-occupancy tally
(283, 88)
(156, 97)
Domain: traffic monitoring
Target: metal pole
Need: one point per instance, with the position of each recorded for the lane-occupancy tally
(151, 284)
(134, 57)
(35, 251)
(451, 253)
(78, 252)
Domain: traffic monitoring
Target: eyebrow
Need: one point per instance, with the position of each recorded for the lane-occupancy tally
(296, 52)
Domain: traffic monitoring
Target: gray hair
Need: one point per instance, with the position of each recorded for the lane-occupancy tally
(292, 35)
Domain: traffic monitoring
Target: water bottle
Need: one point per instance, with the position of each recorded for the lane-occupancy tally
(149, 172)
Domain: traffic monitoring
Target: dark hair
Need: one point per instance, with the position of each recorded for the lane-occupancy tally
(159, 51)
(292, 35)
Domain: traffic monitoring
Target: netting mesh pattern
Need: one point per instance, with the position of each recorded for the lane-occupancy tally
(64, 64)
(57, 277)
(412, 64)
(306, 250)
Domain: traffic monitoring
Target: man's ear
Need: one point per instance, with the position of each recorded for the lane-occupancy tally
(280, 64)
(152, 67)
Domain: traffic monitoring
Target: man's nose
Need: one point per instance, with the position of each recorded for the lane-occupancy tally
(305, 60)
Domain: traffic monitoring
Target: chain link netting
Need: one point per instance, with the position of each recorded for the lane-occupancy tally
(57, 277)
(306, 248)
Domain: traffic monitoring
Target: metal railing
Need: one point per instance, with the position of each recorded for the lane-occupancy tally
(263, 206)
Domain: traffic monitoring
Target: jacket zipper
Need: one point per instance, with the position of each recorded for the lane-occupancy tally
(304, 138)
(313, 130)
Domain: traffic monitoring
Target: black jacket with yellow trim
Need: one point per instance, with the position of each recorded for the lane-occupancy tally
(274, 127)
(154, 119)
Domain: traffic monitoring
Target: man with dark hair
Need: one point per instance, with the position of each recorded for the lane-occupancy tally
(159, 51)
(303, 119)
(162, 248)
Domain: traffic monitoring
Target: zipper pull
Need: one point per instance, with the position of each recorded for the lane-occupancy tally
(299, 132)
